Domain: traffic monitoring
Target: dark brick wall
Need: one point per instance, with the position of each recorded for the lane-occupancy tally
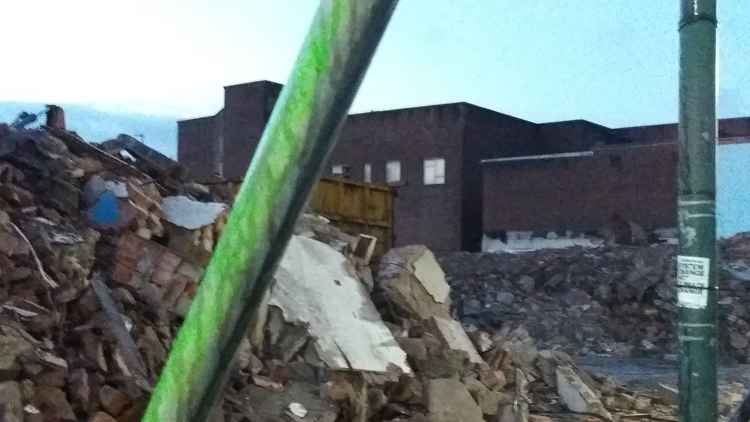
(736, 127)
(196, 149)
(573, 135)
(649, 134)
(578, 194)
(488, 134)
(429, 215)
(247, 108)
(637, 183)
(728, 128)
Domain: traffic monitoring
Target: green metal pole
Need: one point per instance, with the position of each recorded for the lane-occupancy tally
(696, 260)
(296, 142)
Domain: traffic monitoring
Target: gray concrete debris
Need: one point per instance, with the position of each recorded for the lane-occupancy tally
(492, 401)
(448, 400)
(314, 289)
(191, 214)
(577, 396)
(432, 277)
(411, 280)
(454, 337)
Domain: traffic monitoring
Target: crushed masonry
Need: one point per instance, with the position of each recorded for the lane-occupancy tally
(102, 248)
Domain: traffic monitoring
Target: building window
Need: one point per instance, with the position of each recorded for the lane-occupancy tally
(368, 173)
(434, 171)
(393, 172)
(341, 170)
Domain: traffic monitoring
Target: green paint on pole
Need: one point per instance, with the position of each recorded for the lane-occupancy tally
(696, 262)
(296, 142)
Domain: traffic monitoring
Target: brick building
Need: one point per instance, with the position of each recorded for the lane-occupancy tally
(584, 189)
(223, 144)
(450, 166)
(431, 153)
(430, 156)
(580, 191)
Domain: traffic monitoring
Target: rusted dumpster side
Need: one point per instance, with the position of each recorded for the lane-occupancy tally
(356, 208)
(353, 207)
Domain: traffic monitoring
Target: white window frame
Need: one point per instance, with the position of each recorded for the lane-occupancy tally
(393, 172)
(337, 170)
(433, 171)
(367, 173)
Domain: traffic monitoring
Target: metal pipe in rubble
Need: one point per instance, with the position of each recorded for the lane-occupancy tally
(300, 134)
(696, 205)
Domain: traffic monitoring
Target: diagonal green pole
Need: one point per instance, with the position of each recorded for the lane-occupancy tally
(296, 142)
(696, 262)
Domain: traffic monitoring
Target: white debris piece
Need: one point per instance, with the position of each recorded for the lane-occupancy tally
(455, 338)
(96, 186)
(527, 243)
(431, 276)
(31, 409)
(127, 155)
(20, 311)
(119, 189)
(190, 214)
(314, 288)
(576, 395)
(298, 409)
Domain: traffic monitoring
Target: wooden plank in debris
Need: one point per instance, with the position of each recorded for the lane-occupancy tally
(131, 355)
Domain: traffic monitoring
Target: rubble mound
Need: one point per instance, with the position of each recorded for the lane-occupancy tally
(101, 252)
(614, 300)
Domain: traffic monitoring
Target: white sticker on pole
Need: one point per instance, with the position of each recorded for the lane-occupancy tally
(692, 281)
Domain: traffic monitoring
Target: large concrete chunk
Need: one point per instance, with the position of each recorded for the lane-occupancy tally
(576, 395)
(448, 400)
(413, 282)
(454, 337)
(431, 276)
(314, 289)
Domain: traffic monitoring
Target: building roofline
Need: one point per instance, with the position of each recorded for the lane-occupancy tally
(577, 154)
(558, 122)
(675, 123)
(201, 118)
(258, 82)
(636, 145)
(403, 109)
(431, 106)
(571, 121)
(733, 140)
(195, 118)
(604, 148)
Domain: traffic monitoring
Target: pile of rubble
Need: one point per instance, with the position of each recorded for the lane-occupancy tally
(102, 249)
(614, 300)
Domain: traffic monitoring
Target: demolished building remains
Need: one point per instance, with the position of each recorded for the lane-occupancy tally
(102, 252)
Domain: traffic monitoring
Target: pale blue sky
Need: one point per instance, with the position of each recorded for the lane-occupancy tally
(610, 61)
